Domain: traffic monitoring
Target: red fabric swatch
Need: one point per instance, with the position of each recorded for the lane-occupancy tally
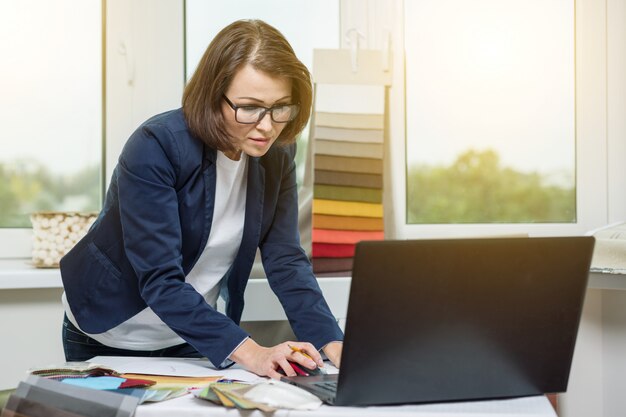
(136, 383)
(331, 250)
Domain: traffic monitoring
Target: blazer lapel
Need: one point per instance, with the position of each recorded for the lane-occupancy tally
(254, 209)
(209, 172)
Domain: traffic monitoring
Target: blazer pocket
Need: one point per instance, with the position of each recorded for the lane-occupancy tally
(104, 260)
(92, 283)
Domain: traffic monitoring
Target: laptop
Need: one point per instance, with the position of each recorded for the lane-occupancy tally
(458, 319)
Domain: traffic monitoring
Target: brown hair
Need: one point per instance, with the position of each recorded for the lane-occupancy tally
(243, 42)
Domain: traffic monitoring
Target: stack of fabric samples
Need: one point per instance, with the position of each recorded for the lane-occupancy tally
(264, 395)
(144, 387)
(348, 141)
(230, 394)
(42, 397)
(87, 375)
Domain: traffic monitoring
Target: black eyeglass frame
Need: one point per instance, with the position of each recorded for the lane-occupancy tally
(294, 113)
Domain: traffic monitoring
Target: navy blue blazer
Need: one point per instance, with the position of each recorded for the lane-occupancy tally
(154, 225)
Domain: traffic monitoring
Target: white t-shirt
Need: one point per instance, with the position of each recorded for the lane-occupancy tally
(145, 330)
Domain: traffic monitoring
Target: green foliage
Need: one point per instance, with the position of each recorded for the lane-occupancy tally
(29, 187)
(474, 189)
(477, 189)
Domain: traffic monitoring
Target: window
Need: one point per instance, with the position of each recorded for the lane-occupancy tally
(50, 110)
(595, 136)
(490, 112)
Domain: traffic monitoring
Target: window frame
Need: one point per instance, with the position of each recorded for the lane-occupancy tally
(135, 37)
(16, 243)
(594, 179)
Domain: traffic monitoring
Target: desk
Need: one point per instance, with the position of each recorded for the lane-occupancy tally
(189, 406)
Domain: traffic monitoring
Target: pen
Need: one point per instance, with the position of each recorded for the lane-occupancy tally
(300, 351)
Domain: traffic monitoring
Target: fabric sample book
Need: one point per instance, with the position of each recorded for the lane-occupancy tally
(348, 138)
(78, 400)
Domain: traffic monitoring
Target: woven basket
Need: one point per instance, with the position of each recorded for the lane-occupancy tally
(55, 233)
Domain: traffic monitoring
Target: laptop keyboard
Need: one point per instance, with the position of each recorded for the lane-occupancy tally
(330, 386)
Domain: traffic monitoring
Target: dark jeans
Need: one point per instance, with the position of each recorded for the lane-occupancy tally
(80, 347)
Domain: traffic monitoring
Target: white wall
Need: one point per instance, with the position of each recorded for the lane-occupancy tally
(144, 66)
(31, 332)
(616, 107)
(584, 395)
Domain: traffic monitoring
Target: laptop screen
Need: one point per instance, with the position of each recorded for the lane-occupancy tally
(462, 319)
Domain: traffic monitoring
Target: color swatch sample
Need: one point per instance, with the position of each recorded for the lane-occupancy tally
(348, 136)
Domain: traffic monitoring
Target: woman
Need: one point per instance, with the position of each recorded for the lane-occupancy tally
(196, 191)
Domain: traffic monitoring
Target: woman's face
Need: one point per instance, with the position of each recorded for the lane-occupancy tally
(250, 87)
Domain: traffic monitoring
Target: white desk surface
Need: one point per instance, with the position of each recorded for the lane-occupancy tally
(190, 406)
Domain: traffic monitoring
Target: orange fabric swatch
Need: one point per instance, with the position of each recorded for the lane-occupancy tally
(328, 221)
(345, 236)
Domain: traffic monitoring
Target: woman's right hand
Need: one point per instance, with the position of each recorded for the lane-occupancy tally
(267, 361)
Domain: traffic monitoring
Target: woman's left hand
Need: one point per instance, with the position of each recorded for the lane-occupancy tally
(333, 352)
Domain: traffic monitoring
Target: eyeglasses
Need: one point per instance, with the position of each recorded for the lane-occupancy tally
(280, 113)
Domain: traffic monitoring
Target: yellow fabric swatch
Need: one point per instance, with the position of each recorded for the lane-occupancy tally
(347, 208)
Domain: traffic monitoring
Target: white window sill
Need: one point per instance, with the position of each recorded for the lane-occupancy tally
(261, 303)
(21, 274)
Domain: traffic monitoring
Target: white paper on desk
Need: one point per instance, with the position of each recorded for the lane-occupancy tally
(158, 366)
(329, 368)
(240, 374)
(172, 366)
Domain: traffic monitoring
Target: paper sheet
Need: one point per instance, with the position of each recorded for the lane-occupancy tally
(171, 366)
(158, 366)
